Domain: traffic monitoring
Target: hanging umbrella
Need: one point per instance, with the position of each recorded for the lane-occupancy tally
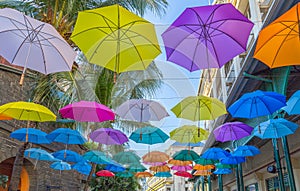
(116, 39)
(278, 43)
(189, 134)
(33, 44)
(105, 173)
(83, 167)
(141, 110)
(149, 135)
(108, 136)
(96, 157)
(182, 168)
(222, 171)
(68, 156)
(155, 163)
(232, 160)
(127, 157)
(164, 168)
(222, 166)
(202, 173)
(155, 156)
(196, 108)
(184, 174)
(178, 144)
(124, 174)
(137, 168)
(256, 104)
(115, 167)
(186, 155)
(245, 151)
(203, 167)
(66, 136)
(163, 174)
(215, 153)
(5, 117)
(204, 161)
(60, 165)
(30, 135)
(39, 154)
(207, 36)
(143, 175)
(180, 162)
(87, 111)
(275, 128)
(232, 131)
(293, 104)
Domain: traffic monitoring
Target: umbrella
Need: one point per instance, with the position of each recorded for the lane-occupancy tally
(143, 174)
(141, 110)
(232, 160)
(105, 173)
(275, 128)
(87, 111)
(115, 167)
(202, 173)
(164, 168)
(155, 156)
(108, 136)
(163, 174)
(39, 154)
(207, 36)
(30, 135)
(137, 168)
(124, 174)
(221, 166)
(68, 156)
(185, 155)
(177, 144)
(182, 168)
(204, 161)
(148, 135)
(222, 171)
(189, 134)
(183, 174)
(215, 153)
(97, 157)
(180, 162)
(33, 44)
(293, 104)
(256, 104)
(60, 165)
(27, 110)
(127, 157)
(115, 38)
(245, 151)
(66, 136)
(155, 163)
(83, 167)
(5, 117)
(278, 43)
(203, 167)
(232, 131)
(196, 108)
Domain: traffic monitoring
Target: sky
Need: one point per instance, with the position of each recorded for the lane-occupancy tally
(178, 82)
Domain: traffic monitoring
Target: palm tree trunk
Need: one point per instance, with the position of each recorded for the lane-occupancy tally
(86, 186)
(17, 168)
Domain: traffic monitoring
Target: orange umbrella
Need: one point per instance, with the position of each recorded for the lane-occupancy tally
(179, 162)
(143, 174)
(278, 44)
(155, 156)
(203, 167)
(163, 168)
(5, 117)
(202, 173)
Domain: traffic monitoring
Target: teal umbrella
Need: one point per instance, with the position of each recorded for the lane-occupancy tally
(204, 161)
(127, 157)
(97, 157)
(163, 174)
(186, 155)
(124, 174)
(149, 135)
(137, 168)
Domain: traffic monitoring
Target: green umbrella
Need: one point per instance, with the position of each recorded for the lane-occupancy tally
(204, 161)
(189, 134)
(124, 174)
(127, 157)
(137, 168)
(97, 157)
(186, 155)
(224, 166)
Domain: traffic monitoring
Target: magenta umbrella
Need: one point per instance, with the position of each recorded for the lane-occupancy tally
(182, 168)
(232, 131)
(207, 36)
(108, 136)
(87, 111)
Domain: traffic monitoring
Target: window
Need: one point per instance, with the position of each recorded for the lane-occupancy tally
(252, 187)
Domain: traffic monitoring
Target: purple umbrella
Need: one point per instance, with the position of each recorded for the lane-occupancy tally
(108, 136)
(207, 36)
(232, 131)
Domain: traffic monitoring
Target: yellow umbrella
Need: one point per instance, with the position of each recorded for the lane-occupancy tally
(202, 173)
(278, 44)
(189, 134)
(203, 167)
(116, 39)
(163, 168)
(27, 111)
(143, 174)
(196, 108)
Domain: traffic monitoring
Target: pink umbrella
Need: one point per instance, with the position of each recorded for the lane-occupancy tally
(87, 111)
(105, 173)
(183, 174)
(182, 168)
(108, 136)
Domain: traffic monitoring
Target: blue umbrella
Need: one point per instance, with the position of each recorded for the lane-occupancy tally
(68, 156)
(83, 167)
(149, 135)
(245, 151)
(186, 155)
(115, 167)
(66, 136)
(275, 128)
(233, 160)
(222, 171)
(163, 174)
(97, 157)
(199, 144)
(30, 135)
(293, 104)
(39, 154)
(60, 165)
(256, 104)
(215, 153)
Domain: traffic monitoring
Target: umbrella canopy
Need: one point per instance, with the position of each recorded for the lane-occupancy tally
(33, 44)
(66, 136)
(221, 166)
(178, 144)
(30, 135)
(203, 167)
(141, 110)
(215, 153)
(68, 156)
(97, 157)
(39, 154)
(105, 173)
(189, 134)
(143, 174)
(137, 168)
(196, 108)
(278, 43)
(183, 174)
(202, 173)
(155, 163)
(246, 151)
(256, 104)
(149, 135)
(60, 165)
(180, 162)
(293, 104)
(124, 174)
(232, 131)
(115, 167)
(116, 39)
(127, 157)
(155, 156)
(275, 128)
(185, 155)
(27, 111)
(5, 117)
(223, 171)
(163, 174)
(87, 111)
(108, 136)
(232, 160)
(204, 161)
(182, 168)
(83, 167)
(164, 168)
(207, 36)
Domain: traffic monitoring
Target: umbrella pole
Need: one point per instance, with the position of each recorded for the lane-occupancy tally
(237, 178)
(220, 181)
(278, 164)
(209, 183)
(288, 163)
(25, 66)
(240, 167)
(202, 184)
